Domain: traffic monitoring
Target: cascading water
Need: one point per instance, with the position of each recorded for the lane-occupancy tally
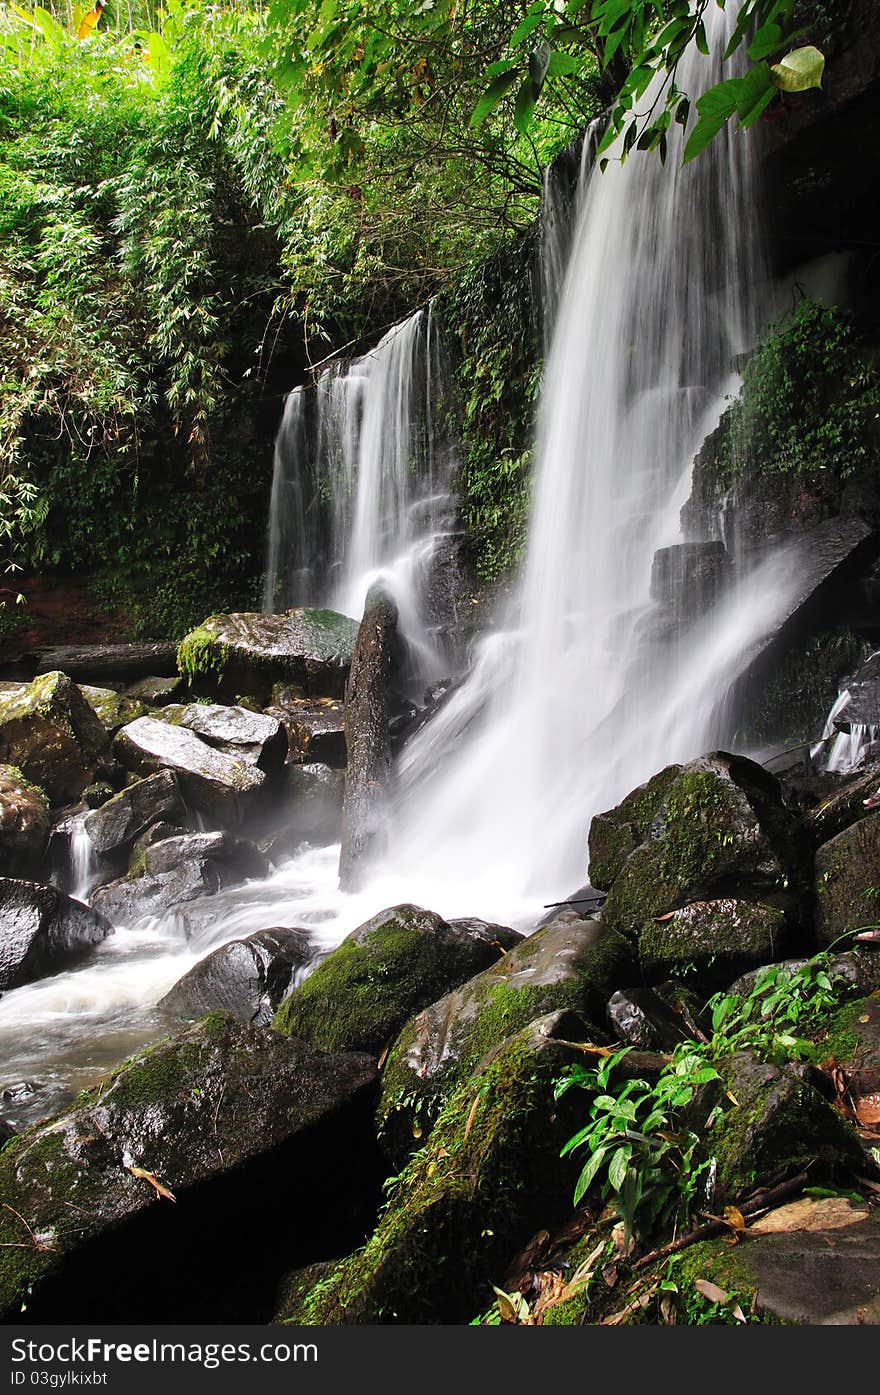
(360, 485)
(582, 697)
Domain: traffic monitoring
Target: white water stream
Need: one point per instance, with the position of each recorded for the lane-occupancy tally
(573, 703)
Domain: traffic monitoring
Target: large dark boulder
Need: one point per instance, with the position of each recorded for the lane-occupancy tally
(178, 870)
(247, 978)
(122, 819)
(570, 965)
(41, 930)
(222, 1116)
(112, 709)
(364, 813)
(404, 958)
(714, 828)
(848, 880)
(247, 653)
(30, 1102)
(24, 824)
(489, 1176)
(49, 732)
(220, 786)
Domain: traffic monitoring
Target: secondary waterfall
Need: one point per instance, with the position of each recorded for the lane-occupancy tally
(360, 486)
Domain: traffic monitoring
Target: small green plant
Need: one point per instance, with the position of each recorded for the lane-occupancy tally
(644, 1153)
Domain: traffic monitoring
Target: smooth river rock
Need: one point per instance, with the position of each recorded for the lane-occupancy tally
(42, 930)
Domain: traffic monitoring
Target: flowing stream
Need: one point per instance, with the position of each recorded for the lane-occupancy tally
(583, 692)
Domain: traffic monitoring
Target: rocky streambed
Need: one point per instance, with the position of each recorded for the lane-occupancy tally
(394, 1104)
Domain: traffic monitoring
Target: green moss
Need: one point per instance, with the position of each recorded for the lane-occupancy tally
(615, 834)
(491, 1164)
(200, 655)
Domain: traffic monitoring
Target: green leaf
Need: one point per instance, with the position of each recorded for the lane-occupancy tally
(594, 1162)
(755, 91)
(766, 41)
(527, 26)
(539, 61)
(562, 63)
(524, 106)
(715, 107)
(618, 1165)
(799, 70)
(494, 93)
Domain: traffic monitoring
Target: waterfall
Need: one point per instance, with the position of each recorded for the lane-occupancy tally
(840, 751)
(360, 489)
(583, 699)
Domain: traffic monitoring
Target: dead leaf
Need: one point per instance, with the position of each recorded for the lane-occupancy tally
(738, 1313)
(734, 1218)
(810, 1213)
(711, 1291)
(668, 1313)
(611, 1274)
(513, 1308)
(868, 1109)
(615, 1319)
(471, 1116)
(659, 919)
(146, 1176)
(585, 1271)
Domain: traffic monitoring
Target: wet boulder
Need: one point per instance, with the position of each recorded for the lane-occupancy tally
(715, 940)
(247, 653)
(311, 808)
(51, 734)
(123, 818)
(42, 930)
(399, 961)
(252, 737)
(247, 978)
(687, 578)
(844, 804)
(24, 824)
(30, 1102)
(315, 729)
(856, 970)
(715, 827)
(654, 1019)
(490, 1174)
(178, 870)
(112, 709)
(779, 1124)
(155, 691)
(368, 741)
(222, 787)
(571, 964)
(848, 880)
(216, 1117)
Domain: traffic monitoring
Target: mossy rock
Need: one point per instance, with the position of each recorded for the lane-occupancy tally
(113, 709)
(803, 1275)
(50, 733)
(618, 832)
(716, 940)
(245, 654)
(399, 961)
(720, 825)
(488, 1177)
(196, 1111)
(779, 1125)
(571, 964)
(24, 824)
(848, 880)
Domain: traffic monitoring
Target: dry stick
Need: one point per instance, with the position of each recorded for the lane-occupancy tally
(759, 1202)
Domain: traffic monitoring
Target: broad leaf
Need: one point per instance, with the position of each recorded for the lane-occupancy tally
(799, 70)
(496, 91)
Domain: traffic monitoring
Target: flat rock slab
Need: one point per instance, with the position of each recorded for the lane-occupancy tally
(248, 652)
(198, 1109)
(253, 737)
(41, 930)
(829, 1278)
(220, 785)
